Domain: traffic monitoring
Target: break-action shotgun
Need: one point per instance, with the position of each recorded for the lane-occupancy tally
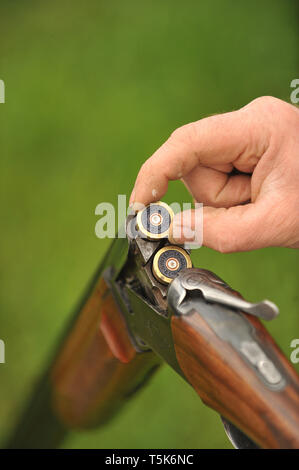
(148, 305)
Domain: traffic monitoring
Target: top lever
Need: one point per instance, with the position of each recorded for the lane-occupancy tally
(213, 289)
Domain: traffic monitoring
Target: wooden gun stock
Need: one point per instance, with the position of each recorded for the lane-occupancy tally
(229, 384)
(98, 368)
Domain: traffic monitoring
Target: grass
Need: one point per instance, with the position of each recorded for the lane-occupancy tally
(91, 91)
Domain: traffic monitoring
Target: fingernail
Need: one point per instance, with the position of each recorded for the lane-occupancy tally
(171, 239)
(132, 197)
(181, 229)
(136, 206)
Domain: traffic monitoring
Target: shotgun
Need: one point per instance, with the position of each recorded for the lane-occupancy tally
(147, 305)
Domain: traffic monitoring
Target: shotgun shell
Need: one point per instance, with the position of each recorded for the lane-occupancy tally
(154, 220)
(169, 261)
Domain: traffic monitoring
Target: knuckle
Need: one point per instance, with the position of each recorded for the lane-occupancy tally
(183, 133)
(278, 114)
(222, 249)
(266, 100)
(275, 106)
(144, 168)
(224, 244)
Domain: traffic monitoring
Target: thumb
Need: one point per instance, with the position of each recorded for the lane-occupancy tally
(238, 228)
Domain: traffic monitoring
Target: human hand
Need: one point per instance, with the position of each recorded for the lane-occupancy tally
(242, 212)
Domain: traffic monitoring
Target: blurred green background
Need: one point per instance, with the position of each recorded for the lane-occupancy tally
(92, 89)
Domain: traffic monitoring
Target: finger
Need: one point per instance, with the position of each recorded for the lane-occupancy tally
(216, 188)
(217, 140)
(239, 228)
